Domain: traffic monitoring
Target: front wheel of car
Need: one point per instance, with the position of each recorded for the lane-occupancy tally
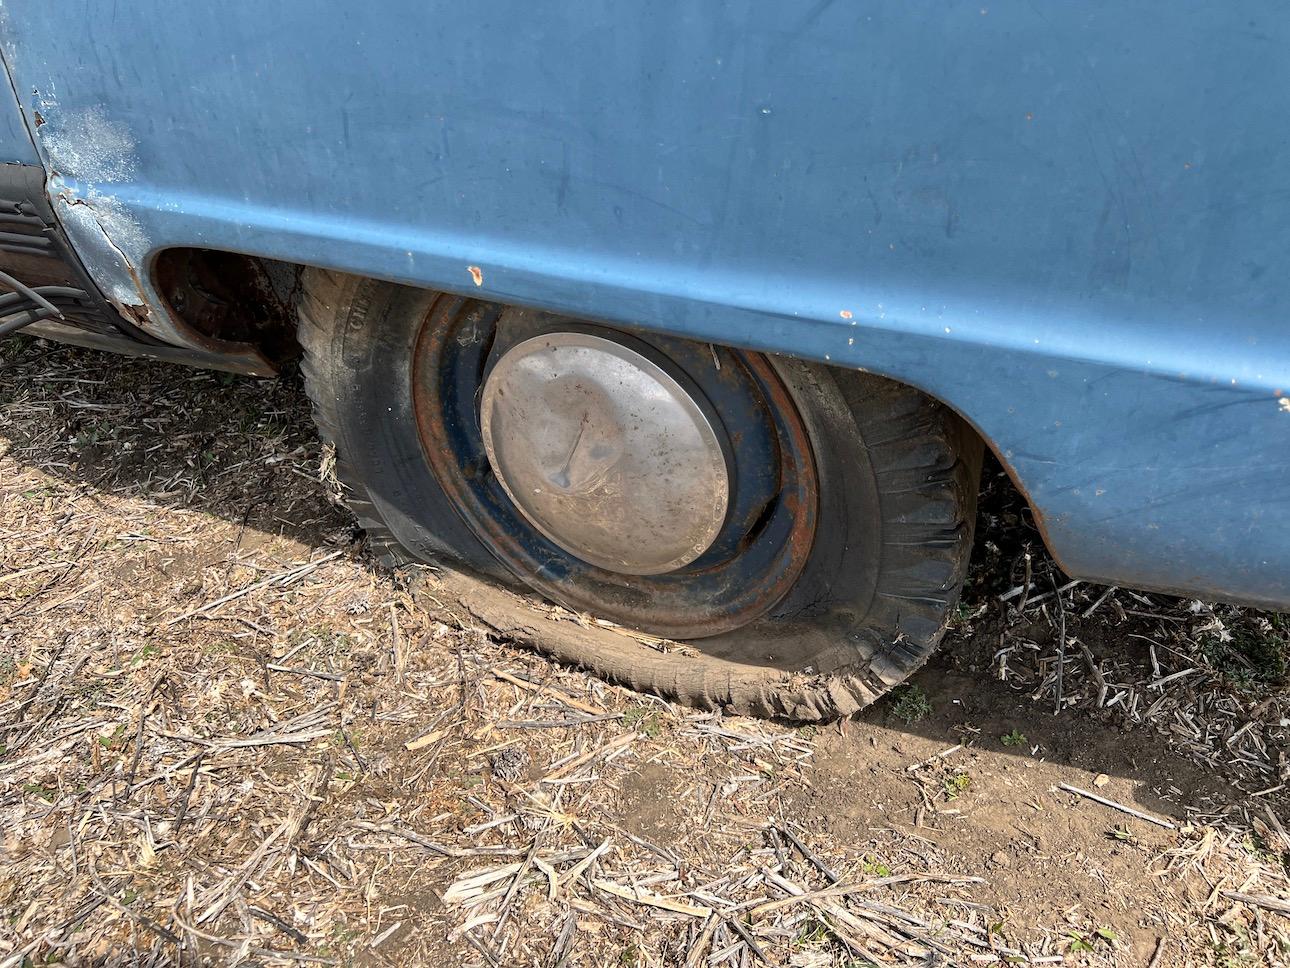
(777, 516)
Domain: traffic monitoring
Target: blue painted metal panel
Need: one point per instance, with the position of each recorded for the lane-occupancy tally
(1069, 221)
(16, 147)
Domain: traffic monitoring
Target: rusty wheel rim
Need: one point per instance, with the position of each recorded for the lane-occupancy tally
(749, 567)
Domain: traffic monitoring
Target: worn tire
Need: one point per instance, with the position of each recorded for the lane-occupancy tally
(901, 471)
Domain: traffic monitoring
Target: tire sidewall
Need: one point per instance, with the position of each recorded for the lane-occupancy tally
(374, 348)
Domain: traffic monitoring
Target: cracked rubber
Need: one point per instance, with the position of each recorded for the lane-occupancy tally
(892, 550)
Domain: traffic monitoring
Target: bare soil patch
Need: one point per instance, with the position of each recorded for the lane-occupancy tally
(225, 738)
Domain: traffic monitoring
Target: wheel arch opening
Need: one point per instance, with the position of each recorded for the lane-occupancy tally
(229, 299)
(238, 299)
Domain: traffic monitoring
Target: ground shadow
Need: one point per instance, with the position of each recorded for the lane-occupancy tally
(240, 448)
(245, 450)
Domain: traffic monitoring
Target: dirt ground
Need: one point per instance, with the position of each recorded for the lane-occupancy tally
(225, 737)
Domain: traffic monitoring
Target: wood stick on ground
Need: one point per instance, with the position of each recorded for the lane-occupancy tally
(931, 760)
(1118, 806)
(262, 952)
(35, 570)
(421, 742)
(516, 881)
(652, 900)
(1061, 645)
(558, 694)
(1260, 900)
(838, 915)
(312, 673)
(819, 865)
(226, 892)
(298, 571)
(574, 764)
(749, 940)
(1088, 612)
(840, 890)
(695, 956)
(396, 644)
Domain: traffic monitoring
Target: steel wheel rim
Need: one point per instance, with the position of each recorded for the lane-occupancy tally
(769, 529)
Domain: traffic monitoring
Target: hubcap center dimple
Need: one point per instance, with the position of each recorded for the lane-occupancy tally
(605, 453)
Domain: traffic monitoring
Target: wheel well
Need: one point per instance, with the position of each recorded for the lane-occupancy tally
(232, 298)
(236, 298)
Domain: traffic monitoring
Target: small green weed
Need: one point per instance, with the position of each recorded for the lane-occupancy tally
(875, 868)
(910, 704)
(1258, 847)
(116, 739)
(812, 933)
(956, 784)
(1084, 943)
(142, 656)
(86, 438)
(1249, 657)
(1015, 738)
(48, 794)
(645, 719)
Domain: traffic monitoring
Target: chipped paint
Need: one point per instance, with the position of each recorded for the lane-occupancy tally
(87, 145)
(87, 152)
(1284, 404)
(476, 274)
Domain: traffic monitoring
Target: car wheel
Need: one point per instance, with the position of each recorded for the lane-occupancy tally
(771, 513)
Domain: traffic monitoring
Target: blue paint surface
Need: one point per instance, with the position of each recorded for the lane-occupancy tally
(16, 147)
(1071, 222)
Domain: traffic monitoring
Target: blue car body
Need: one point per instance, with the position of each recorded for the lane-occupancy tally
(1069, 222)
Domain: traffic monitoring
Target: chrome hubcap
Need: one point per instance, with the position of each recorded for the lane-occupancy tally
(605, 453)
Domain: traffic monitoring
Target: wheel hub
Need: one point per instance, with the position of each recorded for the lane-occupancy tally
(605, 452)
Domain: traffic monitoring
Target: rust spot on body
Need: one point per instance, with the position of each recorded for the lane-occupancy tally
(476, 274)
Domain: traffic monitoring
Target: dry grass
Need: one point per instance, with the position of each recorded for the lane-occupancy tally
(228, 739)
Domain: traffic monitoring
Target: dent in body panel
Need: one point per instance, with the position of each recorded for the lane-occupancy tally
(86, 153)
(104, 236)
(91, 159)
